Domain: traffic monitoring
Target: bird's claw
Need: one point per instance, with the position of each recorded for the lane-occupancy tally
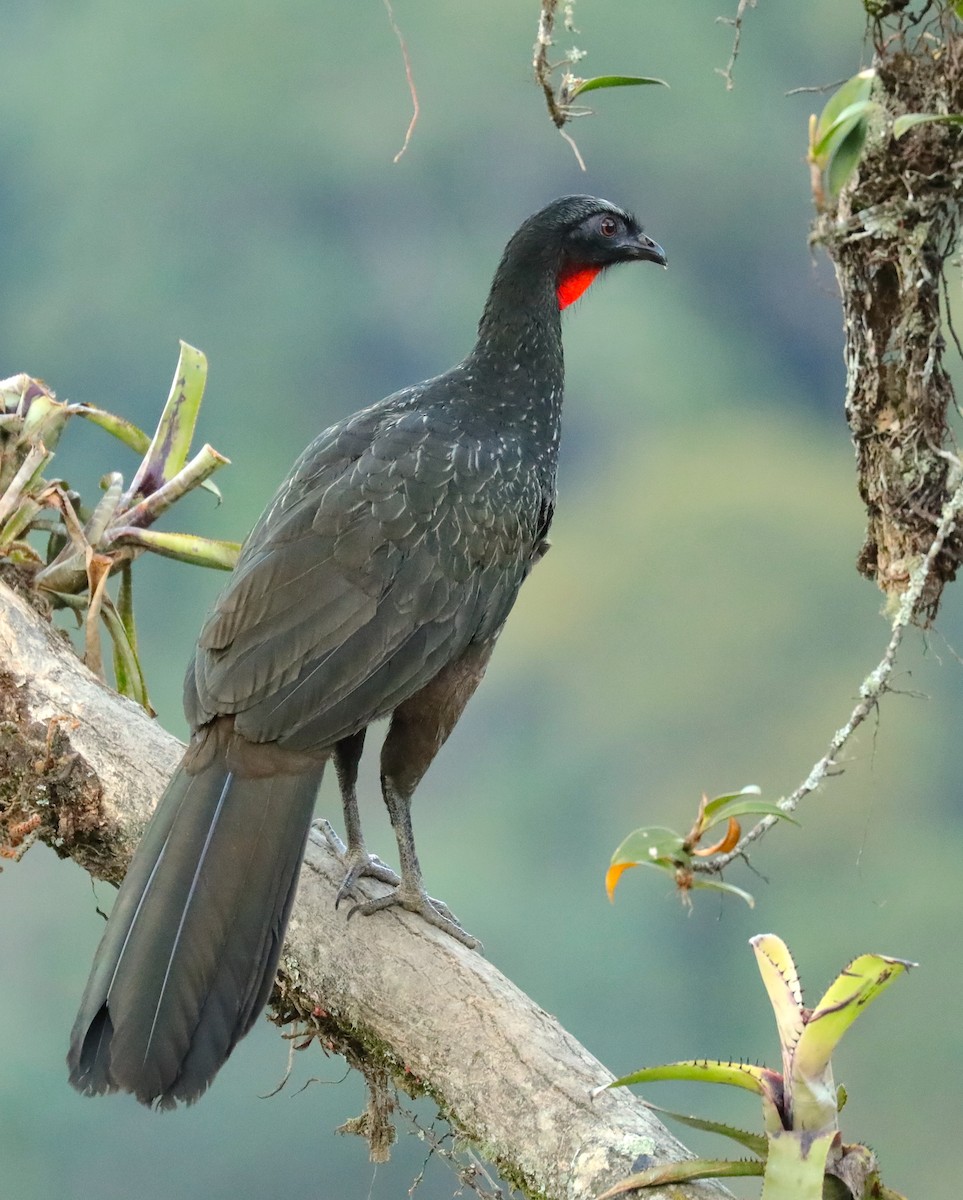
(434, 912)
(358, 863)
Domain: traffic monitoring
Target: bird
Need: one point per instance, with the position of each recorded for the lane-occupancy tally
(375, 584)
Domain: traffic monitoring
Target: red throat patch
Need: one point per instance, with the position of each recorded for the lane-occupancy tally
(573, 283)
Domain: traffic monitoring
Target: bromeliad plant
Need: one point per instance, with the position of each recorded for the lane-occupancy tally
(800, 1154)
(85, 545)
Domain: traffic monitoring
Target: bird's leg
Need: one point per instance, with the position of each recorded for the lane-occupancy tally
(418, 729)
(354, 857)
(410, 892)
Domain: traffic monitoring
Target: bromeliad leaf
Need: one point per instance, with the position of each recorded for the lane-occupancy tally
(185, 547)
(125, 431)
(781, 981)
(855, 987)
(756, 1142)
(128, 673)
(687, 1171)
(171, 442)
(83, 546)
(706, 1070)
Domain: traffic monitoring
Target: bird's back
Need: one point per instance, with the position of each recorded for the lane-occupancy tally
(402, 535)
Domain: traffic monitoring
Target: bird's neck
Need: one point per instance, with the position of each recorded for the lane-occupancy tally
(518, 355)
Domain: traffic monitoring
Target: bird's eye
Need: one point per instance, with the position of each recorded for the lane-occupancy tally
(608, 227)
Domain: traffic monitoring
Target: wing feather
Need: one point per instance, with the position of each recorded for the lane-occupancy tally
(372, 568)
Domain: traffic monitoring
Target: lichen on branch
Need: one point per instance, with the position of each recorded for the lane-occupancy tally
(890, 234)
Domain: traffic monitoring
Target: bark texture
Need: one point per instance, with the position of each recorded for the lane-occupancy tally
(889, 235)
(403, 1002)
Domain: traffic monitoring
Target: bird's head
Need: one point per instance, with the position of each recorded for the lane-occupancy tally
(575, 238)
(594, 235)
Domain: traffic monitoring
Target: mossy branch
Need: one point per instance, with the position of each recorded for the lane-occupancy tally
(90, 764)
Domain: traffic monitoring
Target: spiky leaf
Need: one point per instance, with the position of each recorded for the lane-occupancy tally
(755, 1142)
(749, 1076)
(850, 993)
(781, 980)
(684, 1172)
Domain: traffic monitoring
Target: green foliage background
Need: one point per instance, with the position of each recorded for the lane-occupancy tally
(222, 172)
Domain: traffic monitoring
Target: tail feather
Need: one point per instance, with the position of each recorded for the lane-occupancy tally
(188, 957)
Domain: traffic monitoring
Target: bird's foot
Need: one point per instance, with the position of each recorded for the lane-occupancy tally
(358, 863)
(417, 900)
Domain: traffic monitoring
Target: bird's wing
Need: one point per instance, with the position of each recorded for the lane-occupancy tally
(393, 545)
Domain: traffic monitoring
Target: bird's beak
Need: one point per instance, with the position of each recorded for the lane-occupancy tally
(649, 251)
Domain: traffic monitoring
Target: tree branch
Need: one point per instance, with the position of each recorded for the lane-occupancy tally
(871, 690)
(91, 764)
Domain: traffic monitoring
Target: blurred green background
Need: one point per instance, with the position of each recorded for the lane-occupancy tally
(222, 172)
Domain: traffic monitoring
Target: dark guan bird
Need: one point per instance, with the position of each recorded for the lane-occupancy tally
(375, 584)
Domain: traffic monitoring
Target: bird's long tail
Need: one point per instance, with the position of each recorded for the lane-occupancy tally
(189, 954)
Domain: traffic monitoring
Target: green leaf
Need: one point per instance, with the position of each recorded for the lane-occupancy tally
(754, 808)
(706, 1070)
(781, 981)
(718, 802)
(850, 993)
(102, 515)
(733, 805)
(755, 1142)
(158, 498)
(851, 116)
(717, 885)
(209, 485)
(846, 158)
(903, 124)
(851, 92)
(649, 847)
(185, 547)
(840, 132)
(19, 522)
(128, 674)
(28, 474)
(125, 604)
(123, 430)
(649, 844)
(171, 442)
(683, 1172)
(611, 81)
(45, 418)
